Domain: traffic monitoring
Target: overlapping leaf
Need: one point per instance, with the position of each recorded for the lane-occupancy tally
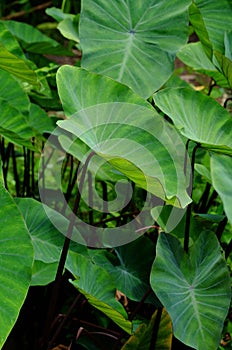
(194, 288)
(123, 132)
(135, 45)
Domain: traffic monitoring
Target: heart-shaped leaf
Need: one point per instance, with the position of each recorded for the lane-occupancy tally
(194, 288)
(198, 117)
(16, 256)
(135, 45)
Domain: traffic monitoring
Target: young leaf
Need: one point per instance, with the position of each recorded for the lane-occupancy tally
(16, 256)
(135, 45)
(198, 117)
(194, 288)
(221, 174)
(98, 287)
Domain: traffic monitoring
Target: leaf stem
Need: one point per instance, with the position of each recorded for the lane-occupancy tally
(189, 208)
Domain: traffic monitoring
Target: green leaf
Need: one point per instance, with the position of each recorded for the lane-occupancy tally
(221, 174)
(122, 133)
(228, 44)
(39, 120)
(99, 289)
(58, 14)
(225, 65)
(213, 12)
(46, 238)
(132, 275)
(16, 66)
(69, 28)
(131, 269)
(198, 117)
(9, 42)
(194, 288)
(198, 24)
(135, 45)
(141, 339)
(43, 274)
(194, 56)
(16, 256)
(33, 40)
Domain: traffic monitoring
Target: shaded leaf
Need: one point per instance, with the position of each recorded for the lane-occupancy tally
(141, 339)
(137, 48)
(194, 288)
(99, 289)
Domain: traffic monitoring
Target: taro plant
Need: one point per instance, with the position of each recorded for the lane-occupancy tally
(116, 177)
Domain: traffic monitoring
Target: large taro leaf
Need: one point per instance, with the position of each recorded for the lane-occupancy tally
(194, 56)
(142, 338)
(194, 288)
(217, 17)
(16, 259)
(130, 135)
(133, 44)
(198, 117)
(221, 174)
(99, 288)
